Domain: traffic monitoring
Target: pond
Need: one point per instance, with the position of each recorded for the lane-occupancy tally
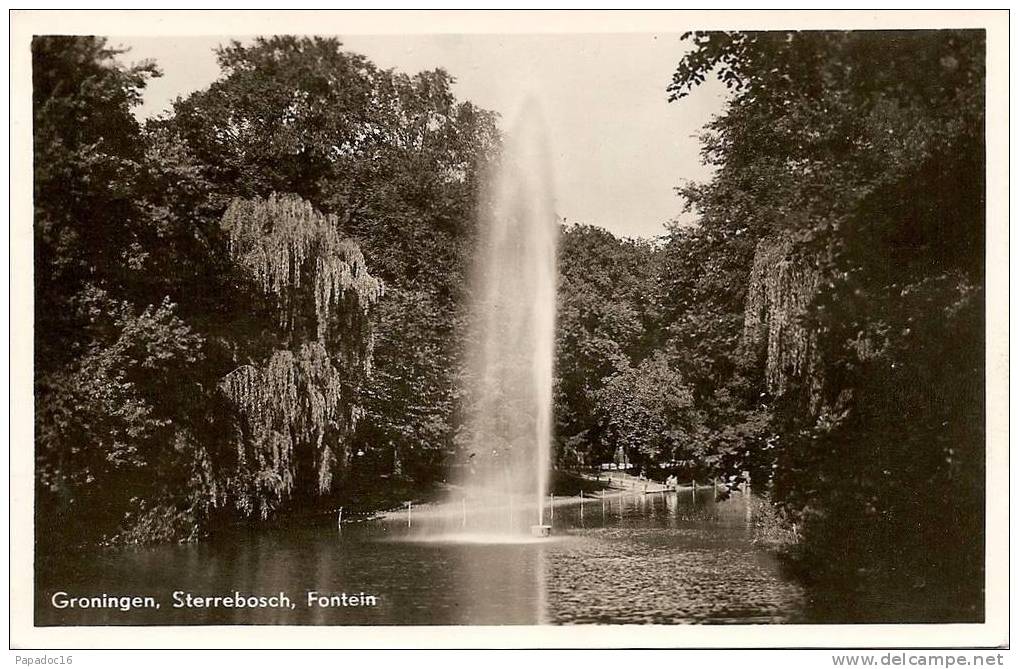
(662, 558)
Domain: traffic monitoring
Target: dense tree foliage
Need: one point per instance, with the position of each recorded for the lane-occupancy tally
(396, 159)
(87, 148)
(113, 360)
(208, 323)
(854, 161)
(649, 356)
(602, 328)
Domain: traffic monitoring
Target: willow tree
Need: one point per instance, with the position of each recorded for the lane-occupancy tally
(396, 156)
(780, 289)
(297, 403)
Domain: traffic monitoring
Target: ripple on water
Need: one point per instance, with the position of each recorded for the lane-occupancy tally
(627, 576)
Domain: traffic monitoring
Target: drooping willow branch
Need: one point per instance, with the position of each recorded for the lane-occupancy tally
(299, 404)
(781, 287)
(285, 244)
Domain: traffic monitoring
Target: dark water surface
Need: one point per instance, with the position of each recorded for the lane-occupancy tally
(656, 558)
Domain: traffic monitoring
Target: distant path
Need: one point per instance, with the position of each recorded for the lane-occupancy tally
(618, 480)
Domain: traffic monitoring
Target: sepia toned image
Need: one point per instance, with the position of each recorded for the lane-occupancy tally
(443, 327)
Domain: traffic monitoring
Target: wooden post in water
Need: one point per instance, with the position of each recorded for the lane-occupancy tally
(693, 490)
(408, 513)
(339, 518)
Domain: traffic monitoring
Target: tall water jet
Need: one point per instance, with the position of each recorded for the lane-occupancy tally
(512, 331)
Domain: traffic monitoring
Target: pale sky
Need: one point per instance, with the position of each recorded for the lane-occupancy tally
(618, 147)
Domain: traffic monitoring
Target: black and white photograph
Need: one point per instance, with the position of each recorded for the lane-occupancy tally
(600, 327)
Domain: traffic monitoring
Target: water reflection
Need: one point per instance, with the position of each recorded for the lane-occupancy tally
(656, 558)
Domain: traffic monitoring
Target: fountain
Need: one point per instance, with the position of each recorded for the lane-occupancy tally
(511, 341)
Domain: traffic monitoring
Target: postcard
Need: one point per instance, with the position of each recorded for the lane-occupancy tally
(509, 329)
